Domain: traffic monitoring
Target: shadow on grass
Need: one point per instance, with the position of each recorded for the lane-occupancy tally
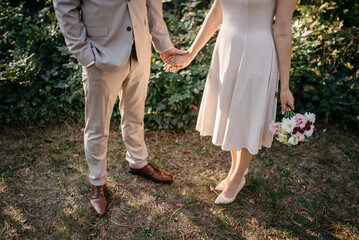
(308, 192)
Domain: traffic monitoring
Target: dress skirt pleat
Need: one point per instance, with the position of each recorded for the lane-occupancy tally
(239, 101)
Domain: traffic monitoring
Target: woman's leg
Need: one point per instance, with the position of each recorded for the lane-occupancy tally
(223, 184)
(234, 163)
(243, 158)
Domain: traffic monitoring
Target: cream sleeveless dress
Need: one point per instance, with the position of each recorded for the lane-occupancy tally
(239, 97)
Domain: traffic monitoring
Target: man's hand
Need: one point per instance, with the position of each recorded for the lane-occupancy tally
(176, 62)
(170, 52)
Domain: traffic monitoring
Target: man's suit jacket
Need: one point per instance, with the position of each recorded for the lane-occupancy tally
(104, 30)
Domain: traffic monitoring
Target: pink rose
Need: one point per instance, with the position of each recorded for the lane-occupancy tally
(301, 138)
(274, 127)
(301, 120)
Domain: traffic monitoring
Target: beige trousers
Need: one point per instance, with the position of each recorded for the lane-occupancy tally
(129, 82)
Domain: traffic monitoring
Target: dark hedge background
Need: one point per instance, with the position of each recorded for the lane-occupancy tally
(40, 80)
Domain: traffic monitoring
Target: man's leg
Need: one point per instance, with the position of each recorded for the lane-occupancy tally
(101, 89)
(132, 106)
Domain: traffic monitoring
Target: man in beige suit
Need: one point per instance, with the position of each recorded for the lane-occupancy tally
(112, 41)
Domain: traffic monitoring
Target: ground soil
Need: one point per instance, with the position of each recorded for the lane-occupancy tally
(306, 192)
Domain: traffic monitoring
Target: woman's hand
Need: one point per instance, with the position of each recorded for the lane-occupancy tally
(286, 99)
(176, 62)
(170, 52)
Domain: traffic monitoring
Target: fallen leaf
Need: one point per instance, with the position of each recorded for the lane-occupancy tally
(179, 165)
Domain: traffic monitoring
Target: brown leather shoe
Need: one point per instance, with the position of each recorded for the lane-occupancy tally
(152, 173)
(98, 200)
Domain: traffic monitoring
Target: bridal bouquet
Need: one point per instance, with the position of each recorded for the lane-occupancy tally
(294, 128)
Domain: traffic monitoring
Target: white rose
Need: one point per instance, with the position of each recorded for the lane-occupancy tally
(293, 140)
(310, 117)
(309, 132)
(288, 124)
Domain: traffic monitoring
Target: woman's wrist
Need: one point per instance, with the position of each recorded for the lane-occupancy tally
(285, 89)
(192, 53)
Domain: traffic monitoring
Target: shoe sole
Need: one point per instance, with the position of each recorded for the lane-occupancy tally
(147, 177)
(230, 200)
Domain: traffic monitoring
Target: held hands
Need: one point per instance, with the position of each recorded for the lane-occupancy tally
(172, 52)
(176, 62)
(176, 59)
(286, 99)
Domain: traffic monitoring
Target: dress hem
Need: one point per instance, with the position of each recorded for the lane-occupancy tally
(233, 148)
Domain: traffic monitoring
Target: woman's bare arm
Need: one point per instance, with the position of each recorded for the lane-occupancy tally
(283, 41)
(208, 28)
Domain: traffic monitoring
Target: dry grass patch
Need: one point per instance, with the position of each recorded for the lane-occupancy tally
(309, 192)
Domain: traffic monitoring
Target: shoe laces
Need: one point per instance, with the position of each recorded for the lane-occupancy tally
(97, 192)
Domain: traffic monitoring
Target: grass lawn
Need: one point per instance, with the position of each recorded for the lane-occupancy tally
(309, 192)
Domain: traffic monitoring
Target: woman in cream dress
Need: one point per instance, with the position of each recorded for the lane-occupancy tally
(239, 97)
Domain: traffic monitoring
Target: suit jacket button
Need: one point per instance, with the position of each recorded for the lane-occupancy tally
(129, 29)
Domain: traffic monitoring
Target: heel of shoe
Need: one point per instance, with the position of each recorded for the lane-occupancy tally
(245, 172)
(223, 200)
(134, 173)
(221, 186)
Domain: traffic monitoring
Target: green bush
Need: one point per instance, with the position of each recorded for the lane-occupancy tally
(325, 61)
(174, 98)
(40, 81)
(39, 78)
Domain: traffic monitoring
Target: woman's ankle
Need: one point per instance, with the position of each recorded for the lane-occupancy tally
(235, 180)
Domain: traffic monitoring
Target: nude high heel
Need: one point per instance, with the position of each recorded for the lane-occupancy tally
(222, 185)
(223, 200)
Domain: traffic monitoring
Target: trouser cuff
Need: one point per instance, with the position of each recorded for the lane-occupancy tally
(98, 182)
(135, 163)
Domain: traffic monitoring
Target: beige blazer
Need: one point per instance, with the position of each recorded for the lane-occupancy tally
(104, 30)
